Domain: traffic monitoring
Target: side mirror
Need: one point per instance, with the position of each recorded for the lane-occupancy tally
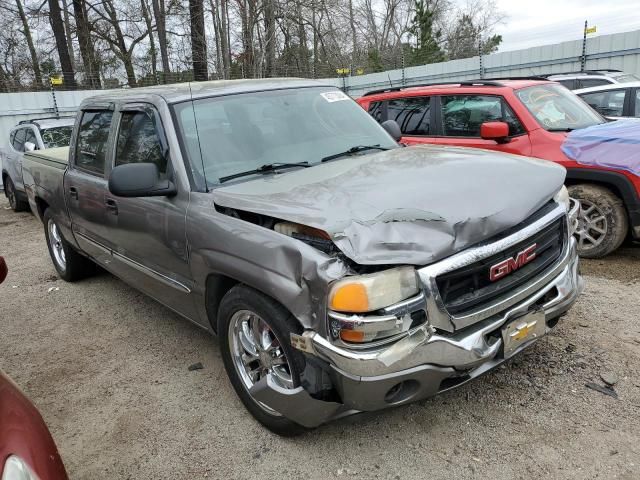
(139, 180)
(498, 131)
(393, 129)
(29, 146)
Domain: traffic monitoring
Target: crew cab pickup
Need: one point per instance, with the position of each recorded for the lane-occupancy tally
(340, 271)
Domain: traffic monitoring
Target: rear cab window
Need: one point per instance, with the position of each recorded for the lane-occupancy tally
(18, 139)
(462, 115)
(91, 148)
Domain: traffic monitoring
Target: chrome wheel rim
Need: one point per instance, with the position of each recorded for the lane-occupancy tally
(256, 352)
(55, 241)
(592, 226)
(11, 195)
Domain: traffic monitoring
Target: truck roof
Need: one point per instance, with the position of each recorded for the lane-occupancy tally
(180, 92)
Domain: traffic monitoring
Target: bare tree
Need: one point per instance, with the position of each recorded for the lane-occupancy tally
(26, 30)
(57, 25)
(198, 40)
(85, 43)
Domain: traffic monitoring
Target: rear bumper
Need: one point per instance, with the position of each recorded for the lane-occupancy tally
(424, 363)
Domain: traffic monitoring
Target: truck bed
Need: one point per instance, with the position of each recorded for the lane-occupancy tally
(52, 157)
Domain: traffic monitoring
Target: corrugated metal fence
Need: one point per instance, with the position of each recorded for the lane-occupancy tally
(619, 51)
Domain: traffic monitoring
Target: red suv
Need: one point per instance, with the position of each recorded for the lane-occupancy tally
(526, 117)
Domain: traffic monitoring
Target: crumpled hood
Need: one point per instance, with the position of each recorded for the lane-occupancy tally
(412, 205)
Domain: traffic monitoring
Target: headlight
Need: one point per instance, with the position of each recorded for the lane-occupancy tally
(16, 469)
(572, 207)
(368, 293)
(562, 197)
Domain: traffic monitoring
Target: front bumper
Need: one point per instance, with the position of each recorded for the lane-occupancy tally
(428, 360)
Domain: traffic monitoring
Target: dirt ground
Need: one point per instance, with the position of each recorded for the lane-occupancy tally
(107, 367)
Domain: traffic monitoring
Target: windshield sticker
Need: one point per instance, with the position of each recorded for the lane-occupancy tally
(334, 96)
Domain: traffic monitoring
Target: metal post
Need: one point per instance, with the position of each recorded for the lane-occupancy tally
(53, 95)
(583, 59)
(480, 57)
(404, 78)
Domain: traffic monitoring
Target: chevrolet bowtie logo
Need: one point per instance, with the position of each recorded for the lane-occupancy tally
(523, 330)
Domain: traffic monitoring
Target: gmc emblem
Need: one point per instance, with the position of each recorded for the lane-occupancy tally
(505, 267)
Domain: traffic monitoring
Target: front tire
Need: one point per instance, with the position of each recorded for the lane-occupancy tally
(69, 264)
(254, 339)
(603, 224)
(15, 203)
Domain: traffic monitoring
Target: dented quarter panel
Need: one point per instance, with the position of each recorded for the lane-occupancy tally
(413, 205)
(288, 270)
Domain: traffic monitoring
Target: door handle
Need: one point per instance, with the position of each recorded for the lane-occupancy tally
(73, 192)
(112, 206)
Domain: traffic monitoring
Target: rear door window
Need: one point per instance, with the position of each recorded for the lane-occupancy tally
(93, 134)
(18, 140)
(570, 83)
(593, 82)
(609, 103)
(138, 142)
(637, 107)
(375, 110)
(413, 114)
(30, 136)
(462, 115)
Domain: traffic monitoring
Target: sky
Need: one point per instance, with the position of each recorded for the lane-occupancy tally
(531, 23)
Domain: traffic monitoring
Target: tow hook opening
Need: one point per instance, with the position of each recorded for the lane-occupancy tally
(401, 392)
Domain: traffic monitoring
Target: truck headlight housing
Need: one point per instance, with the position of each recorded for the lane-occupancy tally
(562, 197)
(368, 293)
(572, 207)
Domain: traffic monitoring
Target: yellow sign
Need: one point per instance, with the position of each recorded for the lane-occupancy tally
(343, 71)
(591, 30)
(360, 71)
(57, 80)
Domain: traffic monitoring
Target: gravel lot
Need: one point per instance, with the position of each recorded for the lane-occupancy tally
(107, 367)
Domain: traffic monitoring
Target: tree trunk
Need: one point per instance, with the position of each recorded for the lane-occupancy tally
(152, 44)
(225, 38)
(57, 25)
(119, 45)
(198, 41)
(302, 42)
(354, 39)
(67, 30)
(32, 50)
(269, 37)
(159, 14)
(87, 52)
(215, 14)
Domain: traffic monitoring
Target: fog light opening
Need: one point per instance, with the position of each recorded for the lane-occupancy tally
(401, 392)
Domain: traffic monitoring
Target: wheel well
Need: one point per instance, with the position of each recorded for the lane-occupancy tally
(217, 287)
(4, 177)
(574, 181)
(42, 206)
(614, 181)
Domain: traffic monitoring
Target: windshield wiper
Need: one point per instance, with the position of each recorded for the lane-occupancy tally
(352, 150)
(269, 167)
(565, 129)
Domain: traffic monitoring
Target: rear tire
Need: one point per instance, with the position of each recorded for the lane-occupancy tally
(15, 203)
(70, 265)
(603, 224)
(274, 325)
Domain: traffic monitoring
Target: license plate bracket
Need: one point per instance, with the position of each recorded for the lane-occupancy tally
(522, 330)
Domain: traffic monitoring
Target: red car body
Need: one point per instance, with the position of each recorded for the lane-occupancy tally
(534, 141)
(23, 433)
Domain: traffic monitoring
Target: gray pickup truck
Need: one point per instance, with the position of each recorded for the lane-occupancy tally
(341, 271)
